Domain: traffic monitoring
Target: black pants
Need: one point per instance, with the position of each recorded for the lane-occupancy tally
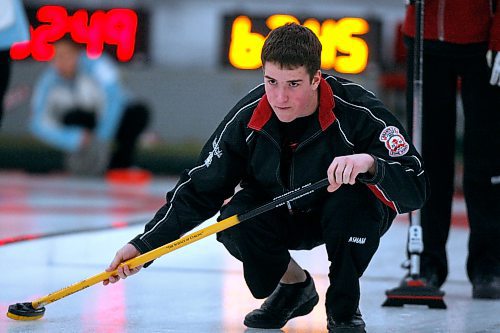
(263, 243)
(4, 78)
(133, 122)
(481, 154)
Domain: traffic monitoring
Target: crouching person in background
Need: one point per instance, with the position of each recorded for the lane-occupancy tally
(80, 107)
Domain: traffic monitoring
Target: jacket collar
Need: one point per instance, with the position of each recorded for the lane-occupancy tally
(263, 112)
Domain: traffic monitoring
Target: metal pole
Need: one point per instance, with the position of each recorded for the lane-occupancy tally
(415, 243)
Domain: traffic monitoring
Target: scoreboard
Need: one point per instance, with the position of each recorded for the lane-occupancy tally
(349, 43)
(95, 29)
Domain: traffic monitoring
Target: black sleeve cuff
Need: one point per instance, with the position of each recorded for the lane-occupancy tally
(142, 248)
(377, 177)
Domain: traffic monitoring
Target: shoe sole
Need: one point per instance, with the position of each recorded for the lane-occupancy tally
(305, 309)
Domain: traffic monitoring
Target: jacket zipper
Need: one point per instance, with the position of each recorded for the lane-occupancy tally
(279, 161)
(306, 142)
(440, 19)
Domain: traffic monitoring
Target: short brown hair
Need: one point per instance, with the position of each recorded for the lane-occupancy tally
(292, 46)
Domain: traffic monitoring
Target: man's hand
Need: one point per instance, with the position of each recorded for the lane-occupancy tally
(125, 253)
(495, 67)
(345, 169)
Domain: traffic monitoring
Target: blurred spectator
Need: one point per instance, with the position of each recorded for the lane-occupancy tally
(80, 107)
(457, 36)
(14, 28)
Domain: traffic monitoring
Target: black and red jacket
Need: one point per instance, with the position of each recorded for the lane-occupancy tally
(458, 22)
(245, 149)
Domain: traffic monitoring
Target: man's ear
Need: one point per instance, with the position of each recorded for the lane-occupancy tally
(316, 79)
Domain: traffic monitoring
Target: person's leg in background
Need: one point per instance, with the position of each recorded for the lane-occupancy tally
(80, 118)
(438, 152)
(91, 158)
(481, 163)
(134, 120)
(4, 78)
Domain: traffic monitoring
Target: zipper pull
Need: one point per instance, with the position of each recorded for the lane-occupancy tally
(289, 205)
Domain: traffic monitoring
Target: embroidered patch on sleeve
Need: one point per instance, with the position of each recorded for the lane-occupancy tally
(394, 141)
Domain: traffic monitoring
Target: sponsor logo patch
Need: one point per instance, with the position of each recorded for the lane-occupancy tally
(394, 141)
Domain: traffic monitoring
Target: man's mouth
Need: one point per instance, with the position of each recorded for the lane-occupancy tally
(283, 108)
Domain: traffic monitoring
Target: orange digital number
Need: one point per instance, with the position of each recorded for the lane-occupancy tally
(336, 37)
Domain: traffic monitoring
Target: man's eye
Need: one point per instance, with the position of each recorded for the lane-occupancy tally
(294, 84)
(271, 81)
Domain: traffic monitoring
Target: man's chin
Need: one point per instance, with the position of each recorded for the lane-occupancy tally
(285, 119)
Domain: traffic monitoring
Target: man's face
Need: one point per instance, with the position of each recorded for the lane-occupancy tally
(65, 59)
(291, 92)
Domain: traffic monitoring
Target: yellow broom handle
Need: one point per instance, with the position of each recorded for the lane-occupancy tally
(139, 260)
(183, 241)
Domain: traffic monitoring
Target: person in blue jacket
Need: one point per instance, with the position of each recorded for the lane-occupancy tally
(80, 107)
(14, 28)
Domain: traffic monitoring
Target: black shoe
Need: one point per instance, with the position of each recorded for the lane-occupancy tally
(286, 302)
(486, 287)
(355, 324)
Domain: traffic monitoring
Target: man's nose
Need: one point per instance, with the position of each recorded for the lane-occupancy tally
(282, 94)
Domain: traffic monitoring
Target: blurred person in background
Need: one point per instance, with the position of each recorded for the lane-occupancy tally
(80, 107)
(460, 53)
(14, 27)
